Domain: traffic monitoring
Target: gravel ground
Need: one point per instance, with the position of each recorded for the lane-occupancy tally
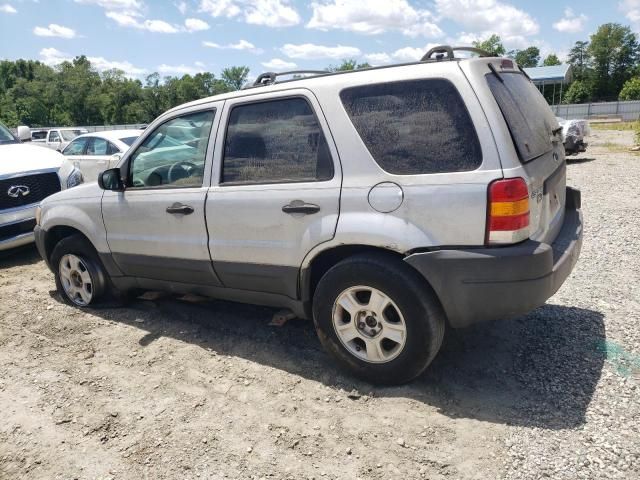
(188, 388)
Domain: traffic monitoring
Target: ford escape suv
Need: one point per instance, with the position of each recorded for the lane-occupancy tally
(382, 203)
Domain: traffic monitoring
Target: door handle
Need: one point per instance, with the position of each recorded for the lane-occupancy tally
(179, 208)
(298, 206)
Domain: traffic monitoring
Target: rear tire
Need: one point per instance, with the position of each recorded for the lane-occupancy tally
(378, 318)
(81, 279)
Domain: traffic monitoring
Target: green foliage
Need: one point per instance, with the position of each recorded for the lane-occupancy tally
(493, 45)
(527, 58)
(234, 78)
(631, 89)
(347, 65)
(614, 53)
(578, 92)
(551, 60)
(75, 93)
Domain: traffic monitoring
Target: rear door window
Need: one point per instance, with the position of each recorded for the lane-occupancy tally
(97, 146)
(414, 127)
(529, 118)
(278, 141)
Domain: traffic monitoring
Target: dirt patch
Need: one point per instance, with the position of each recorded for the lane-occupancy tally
(175, 388)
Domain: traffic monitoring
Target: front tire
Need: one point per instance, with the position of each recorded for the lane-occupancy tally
(378, 318)
(80, 277)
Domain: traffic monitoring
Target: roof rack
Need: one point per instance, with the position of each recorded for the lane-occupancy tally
(436, 54)
(268, 78)
(442, 49)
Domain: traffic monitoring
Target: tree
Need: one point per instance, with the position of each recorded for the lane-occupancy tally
(347, 65)
(580, 60)
(527, 58)
(578, 92)
(235, 77)
(551, 60)
(631, 89)
(493, 45)
(614, 52)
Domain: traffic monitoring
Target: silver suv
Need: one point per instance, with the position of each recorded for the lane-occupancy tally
(382, 203)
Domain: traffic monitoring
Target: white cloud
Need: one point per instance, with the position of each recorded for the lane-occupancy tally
(195, 25)
(482, 18)
(179, 69)
(631, 10)
(54, 30)
(377, 58)
(6, 8)
(240, 45)
(181, 6)
(373, 17)
(126, 7)
(271, 13)
(312, 51)
(156, 26)
(52, 56)
(571, 23)
(159, 26)
(278, 64)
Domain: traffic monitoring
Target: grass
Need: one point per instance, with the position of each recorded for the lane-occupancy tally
(620, 126)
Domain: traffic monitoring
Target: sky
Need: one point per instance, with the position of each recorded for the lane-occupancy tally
(174, 37)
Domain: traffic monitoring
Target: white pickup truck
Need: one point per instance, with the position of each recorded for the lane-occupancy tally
(56, 138)
(28, 174)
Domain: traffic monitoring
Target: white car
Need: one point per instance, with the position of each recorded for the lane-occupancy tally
(28, 174)
(59, 138)
(90, 154)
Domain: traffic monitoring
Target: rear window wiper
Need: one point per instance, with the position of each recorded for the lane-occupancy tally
(495, 72)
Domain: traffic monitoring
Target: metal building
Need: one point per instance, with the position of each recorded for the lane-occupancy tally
(554, 77)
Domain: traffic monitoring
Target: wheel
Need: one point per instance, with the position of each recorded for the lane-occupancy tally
(80, 277)
(378, 318)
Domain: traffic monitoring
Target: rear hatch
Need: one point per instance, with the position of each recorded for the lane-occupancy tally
(537, 138)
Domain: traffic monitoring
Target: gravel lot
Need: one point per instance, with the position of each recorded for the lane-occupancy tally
(187, 388)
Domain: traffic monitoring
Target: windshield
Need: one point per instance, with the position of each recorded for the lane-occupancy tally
(6, 136)
(527, 113)
(69, 135)
(128, 140)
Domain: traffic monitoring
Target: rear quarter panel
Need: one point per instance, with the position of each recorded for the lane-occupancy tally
(438, 209)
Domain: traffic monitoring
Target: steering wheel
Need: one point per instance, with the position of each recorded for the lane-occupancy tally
(179, 170)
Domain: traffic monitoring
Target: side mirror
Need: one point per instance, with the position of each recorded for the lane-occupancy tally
(110, 180)
(24, 133)
(115, 158)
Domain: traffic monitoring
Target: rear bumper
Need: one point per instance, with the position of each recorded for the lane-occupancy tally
(483, 284)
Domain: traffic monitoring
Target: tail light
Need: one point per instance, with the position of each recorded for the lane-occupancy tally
(508, 211)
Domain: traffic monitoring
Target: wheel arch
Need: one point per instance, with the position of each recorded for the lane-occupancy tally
(55, 234)
(318, 265)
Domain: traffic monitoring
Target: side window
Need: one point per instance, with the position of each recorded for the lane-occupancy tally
(76, 147)
(174, 153)
(97, 146)
(112, 149)
(414, 127)
(275, 142)
(54, 137)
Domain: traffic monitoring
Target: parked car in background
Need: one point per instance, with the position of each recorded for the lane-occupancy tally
(39, 136)
(309, 194)
(89, 154)
(59, 138)
(28, 174)
(574, 133)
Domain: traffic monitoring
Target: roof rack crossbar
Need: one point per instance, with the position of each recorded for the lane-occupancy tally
(442, 49)
(268, 78)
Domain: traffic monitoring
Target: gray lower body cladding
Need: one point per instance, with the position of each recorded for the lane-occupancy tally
(483, 284)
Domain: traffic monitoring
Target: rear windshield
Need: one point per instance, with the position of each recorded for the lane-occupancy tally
(527, 113)
(128, 140)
